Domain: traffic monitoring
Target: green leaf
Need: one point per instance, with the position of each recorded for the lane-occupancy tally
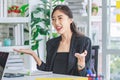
(35, 21)
(33, 31)
(44, 1)
(34, 47)
(32, 25)
(55, 35)
(23, 9)
(26, 30)
(21, 53)
(32, 17)
(26, 42)
(39, 40)
(62, 0)
(47, 22)
(43, 31)
(94, 9)
(35, 35)
(54, 5)
(47, 12)
(38, 26)
(54, 1)
(38, 10)
(27, 15)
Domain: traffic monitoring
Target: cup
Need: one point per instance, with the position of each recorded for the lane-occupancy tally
(7, 42)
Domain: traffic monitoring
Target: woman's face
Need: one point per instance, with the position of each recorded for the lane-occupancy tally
(61, 22)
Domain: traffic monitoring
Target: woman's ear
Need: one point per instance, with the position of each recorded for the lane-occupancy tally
(71, 20)
(85, 52)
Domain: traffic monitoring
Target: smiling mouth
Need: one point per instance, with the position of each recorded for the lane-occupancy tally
(58, 28)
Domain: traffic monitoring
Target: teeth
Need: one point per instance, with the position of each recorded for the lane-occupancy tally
(58, 28)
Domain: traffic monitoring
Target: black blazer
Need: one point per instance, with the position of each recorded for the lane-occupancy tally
(78, 44)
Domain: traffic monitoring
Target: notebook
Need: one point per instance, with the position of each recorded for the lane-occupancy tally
(3, 61)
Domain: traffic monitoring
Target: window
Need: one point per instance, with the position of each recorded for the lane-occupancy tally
(111, 40)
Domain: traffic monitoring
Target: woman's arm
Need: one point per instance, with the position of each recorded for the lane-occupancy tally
(47, 66)
(30, 52)
(83, 60)
(37, 59)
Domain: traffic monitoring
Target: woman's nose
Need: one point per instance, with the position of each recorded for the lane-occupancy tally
(56, 21)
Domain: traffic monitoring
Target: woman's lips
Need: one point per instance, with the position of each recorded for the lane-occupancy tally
(58, 28)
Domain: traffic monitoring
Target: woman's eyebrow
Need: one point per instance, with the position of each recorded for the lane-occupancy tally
(60, 15)
(57, 16)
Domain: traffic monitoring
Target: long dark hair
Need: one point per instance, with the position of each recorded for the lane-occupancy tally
(66, 10)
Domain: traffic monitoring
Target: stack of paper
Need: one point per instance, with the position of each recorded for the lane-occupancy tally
(14, 62)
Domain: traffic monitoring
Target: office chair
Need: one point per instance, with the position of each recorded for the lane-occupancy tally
(94, 60)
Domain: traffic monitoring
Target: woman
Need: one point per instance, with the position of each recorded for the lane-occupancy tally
(70, 52)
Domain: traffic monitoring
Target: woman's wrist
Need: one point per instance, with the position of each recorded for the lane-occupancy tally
(80, 67)
(37, 59)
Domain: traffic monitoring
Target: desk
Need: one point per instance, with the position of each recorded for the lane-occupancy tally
(40, 74)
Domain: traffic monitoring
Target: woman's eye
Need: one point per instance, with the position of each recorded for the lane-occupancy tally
(53, 19)
(60, 18)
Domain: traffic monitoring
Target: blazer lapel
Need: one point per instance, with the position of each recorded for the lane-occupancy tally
(55, 48)
(72, 61)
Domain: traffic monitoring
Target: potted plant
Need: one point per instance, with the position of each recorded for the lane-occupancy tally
(17, 11)
(23, 9)
(36, 27)
(13, 11)
(94, 9)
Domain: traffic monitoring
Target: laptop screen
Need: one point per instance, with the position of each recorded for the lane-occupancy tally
(3, 61)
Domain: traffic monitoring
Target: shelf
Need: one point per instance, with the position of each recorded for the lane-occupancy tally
(10, 48)
(79, 18)
(14, 20)
(96, 18)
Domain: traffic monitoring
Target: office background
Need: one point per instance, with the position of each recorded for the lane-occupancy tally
(98, 19)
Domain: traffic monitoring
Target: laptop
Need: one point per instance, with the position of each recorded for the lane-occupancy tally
(3, 61)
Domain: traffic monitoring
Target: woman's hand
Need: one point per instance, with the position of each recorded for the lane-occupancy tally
(81, 59)
(26, 51)
(30, 52)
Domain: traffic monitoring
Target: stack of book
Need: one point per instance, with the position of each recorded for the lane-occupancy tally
(15, 62)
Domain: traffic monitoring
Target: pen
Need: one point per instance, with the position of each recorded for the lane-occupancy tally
(89, 74)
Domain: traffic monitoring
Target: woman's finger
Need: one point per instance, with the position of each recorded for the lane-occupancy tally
(77, 55)
(84, 53)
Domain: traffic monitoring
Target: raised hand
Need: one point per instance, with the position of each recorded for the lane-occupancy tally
(30, 52)
(81, 59)
(26, 51)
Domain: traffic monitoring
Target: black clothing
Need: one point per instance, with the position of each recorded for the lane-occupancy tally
(78, 44)
(61, 63)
